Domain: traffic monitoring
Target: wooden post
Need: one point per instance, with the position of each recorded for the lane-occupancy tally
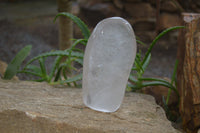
(65, 25)
(188, 74)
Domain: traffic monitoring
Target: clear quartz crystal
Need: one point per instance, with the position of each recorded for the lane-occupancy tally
(108, 59)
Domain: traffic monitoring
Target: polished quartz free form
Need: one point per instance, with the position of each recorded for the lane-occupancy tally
(108, 59)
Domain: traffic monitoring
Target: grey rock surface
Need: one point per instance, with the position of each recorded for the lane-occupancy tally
(31, 107)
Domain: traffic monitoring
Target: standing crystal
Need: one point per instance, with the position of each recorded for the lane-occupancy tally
(108, 59)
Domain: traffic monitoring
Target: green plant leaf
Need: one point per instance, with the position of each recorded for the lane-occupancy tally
(172, 81)
(83, 41)
(34, 68)
(134, 69)
(153, 79)
(56, 53)
(77, 41)
(174, 72)
(55, 66)
(31, 73)
(73, 79)
(65, 76)
(58, 74)
(165, 105)
(132, 79)
(14, 65)
(80, 61)
(140, 42)
(138, 64)
(42, 67)
(40, 80)
(77, 50)
(146, 63)
(156, 82)
(84, 29)
(134, 87)
(157, 38)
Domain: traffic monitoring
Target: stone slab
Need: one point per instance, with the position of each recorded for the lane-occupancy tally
(31, 107)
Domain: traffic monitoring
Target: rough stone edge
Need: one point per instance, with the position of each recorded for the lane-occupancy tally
(35, 123)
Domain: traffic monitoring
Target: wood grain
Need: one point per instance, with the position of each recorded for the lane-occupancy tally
(188, 74)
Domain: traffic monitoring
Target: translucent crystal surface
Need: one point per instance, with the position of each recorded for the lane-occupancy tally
(108, 59)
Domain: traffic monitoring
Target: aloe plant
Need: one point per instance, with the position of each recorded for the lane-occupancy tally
(14, 66)
(57, 74)
(84, 29)
(140, 66)
(59, 69)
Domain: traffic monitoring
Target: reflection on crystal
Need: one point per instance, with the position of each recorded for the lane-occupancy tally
(108, 59)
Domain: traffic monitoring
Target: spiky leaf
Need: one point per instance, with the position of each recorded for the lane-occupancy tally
(15, 64)
(84, 29)
(57, 53)
(157, 38)
(75, 78)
